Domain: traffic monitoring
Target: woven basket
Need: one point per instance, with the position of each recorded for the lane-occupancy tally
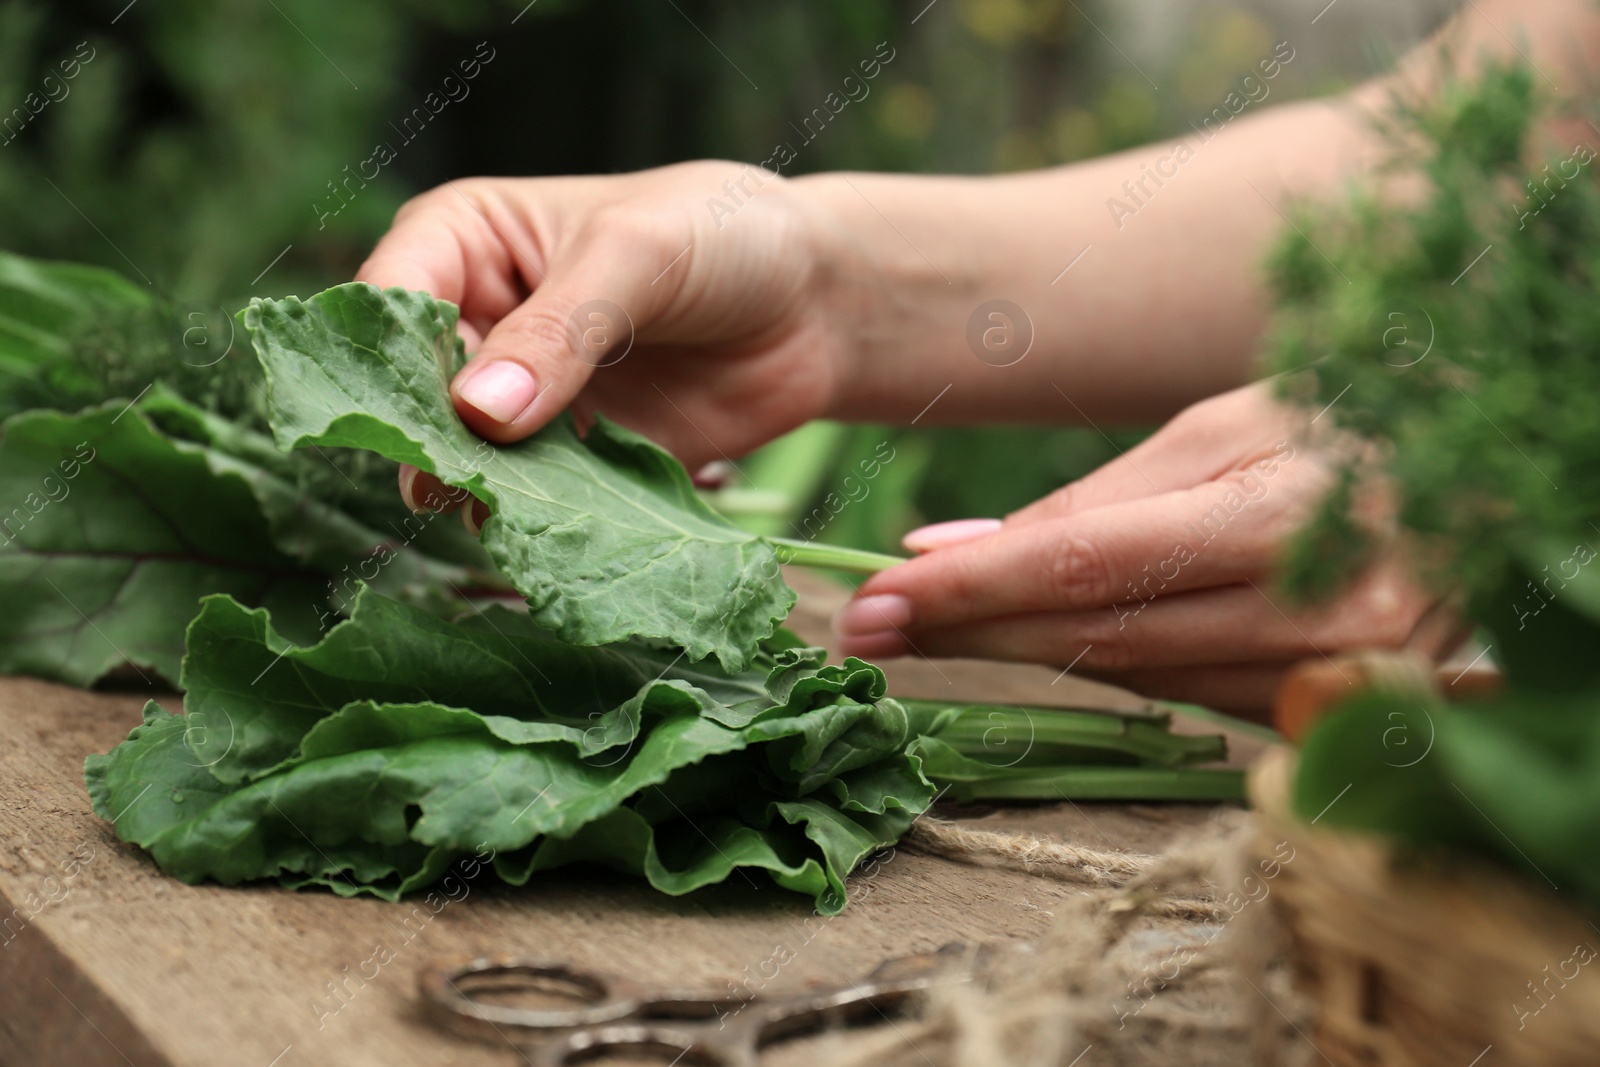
(1416, 963)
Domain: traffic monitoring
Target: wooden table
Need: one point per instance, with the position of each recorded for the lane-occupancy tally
(107, 962)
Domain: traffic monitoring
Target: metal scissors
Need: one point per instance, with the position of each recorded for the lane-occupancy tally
(619, 1016)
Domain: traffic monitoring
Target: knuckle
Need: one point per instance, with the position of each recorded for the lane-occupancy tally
(1276, 527)
(1195, 416)
(1373, 615)
(1111, 647)
(460, 198)
(1387, 614)
(542, 330)
(473, 194)
(1076, 574)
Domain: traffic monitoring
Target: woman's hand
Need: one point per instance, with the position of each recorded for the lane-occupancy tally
(708, 332)
(1153, 572)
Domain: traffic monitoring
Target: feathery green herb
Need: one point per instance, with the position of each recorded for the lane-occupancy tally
(1459, 332)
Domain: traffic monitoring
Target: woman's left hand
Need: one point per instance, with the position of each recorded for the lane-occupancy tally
(1153, 572)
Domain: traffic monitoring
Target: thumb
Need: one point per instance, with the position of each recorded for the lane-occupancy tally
(582, 318)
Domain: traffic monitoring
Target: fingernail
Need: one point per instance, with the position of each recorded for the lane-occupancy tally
(874, 647)
(474, 516)
(944, 534)
(408, 480)
(713, 475)
(873, 615)
(424, 492)
(502, 389)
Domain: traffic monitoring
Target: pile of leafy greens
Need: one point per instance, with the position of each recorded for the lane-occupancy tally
(136, 476)
(1458, 331)
(356, 717)
(374, 759)
(371, 761)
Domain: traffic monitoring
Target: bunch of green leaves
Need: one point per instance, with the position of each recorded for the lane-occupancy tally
(644, 712)
(135, 478)
(1450, 318)
(373, 759)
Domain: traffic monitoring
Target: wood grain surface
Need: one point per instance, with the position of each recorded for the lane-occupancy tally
(107, 962)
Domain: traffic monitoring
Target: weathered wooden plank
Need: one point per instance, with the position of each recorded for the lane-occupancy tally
(108, 962)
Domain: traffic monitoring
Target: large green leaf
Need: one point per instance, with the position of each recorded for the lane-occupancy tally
(112, 534)
(49, 312)
(398, 743)
(604, 535)
(113, 530)
(72, 335)
(255, 694)
(1516, 779)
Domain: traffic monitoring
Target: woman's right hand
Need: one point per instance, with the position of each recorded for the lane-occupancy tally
(632, 295)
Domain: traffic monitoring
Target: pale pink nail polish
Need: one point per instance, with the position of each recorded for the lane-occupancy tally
(873, 615)
(502, 389)
(945, 534)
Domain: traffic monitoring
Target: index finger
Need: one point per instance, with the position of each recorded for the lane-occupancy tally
(446, 243)
(1216, 534)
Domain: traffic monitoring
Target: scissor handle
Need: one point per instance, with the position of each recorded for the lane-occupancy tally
(733, 1039)
(785, 1017)
(622, 1016)
(689, 1044)
(449, 996)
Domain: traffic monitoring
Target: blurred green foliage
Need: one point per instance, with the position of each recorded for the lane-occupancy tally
(1456, 330)
(193, 150)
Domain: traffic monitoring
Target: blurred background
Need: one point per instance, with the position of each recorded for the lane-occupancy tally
(199, 144)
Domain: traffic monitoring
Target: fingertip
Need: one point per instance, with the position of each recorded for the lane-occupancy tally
(713, 475)
(874, 646)
(408, 475)
(873, 615)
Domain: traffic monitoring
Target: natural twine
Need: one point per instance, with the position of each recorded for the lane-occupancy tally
(1149, 965)
(1026, 852)
(1030, 853)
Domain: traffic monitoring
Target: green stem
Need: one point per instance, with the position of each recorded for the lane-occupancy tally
(1000, 752)
(1013, 736)
(833, 557)
(1108, 783)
